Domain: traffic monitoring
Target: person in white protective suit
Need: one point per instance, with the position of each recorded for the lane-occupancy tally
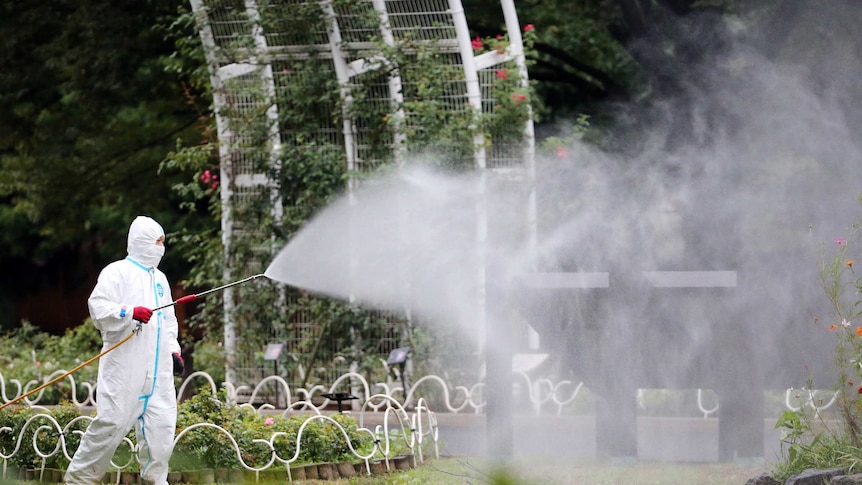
(135, 385)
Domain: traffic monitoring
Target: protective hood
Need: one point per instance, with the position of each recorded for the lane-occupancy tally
(143, 234)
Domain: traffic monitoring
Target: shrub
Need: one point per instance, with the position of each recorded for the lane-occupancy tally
(321, 440)
(810, 440)
(207, 447)
(209, 357)
(32, 355)
(12, 422)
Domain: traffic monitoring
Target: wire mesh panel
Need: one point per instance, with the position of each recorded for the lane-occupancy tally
(292, 24)
(507, 145)
(427, 19)
(358, 23)
(229, 22)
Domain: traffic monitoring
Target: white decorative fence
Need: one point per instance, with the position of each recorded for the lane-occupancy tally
(391, 418)
(544, 394)
(409, 429)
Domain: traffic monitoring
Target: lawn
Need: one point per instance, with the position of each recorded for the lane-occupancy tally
(476, 471)
(463, 470)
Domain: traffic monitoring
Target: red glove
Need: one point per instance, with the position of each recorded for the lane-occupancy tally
(142, 314)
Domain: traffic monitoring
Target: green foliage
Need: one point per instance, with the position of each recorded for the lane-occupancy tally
(312, 168)
(88, 112)
(209, 357)
(843, 288)
(321, 441)
(820, 451)
(84, 109)
(33, 355)
(810, 440)
(204, 447)
(580, 53)
(210, 448)
(15, 417)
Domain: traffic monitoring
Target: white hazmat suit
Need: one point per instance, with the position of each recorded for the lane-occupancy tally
(135, 385)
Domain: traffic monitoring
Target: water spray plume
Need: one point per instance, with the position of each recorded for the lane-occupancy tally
(404, 240)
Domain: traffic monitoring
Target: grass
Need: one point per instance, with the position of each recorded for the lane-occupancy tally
(475, 471)
(453, 471)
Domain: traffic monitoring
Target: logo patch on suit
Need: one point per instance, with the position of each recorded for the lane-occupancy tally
(160, 290)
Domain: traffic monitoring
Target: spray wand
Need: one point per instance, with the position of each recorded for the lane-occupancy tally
(182, 299)
(188, 298)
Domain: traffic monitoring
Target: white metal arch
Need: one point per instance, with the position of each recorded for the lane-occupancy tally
(440, 21)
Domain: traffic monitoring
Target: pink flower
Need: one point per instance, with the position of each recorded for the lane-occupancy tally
(518, 97)
(562, 152)
(268, 422)
(503, 74)
(529, 27)
(499, 36)
(841, 241)
(476, 43)
(209, 178)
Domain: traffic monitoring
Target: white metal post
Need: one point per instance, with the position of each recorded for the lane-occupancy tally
(226, 171)
(395, 88)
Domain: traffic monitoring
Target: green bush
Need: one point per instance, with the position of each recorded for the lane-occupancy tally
(209, 357)
(207, 447)
(321, 440)
(33, 355)
(12, 421)
(202, 447)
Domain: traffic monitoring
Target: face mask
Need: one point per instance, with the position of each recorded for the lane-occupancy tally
(152, 255)
(143, 235)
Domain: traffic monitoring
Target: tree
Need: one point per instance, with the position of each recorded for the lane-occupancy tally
(88, 114)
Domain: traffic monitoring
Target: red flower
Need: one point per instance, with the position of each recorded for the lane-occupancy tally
(209, 178)
(529, 27)
(476, 43)
(562, 152)
(518, 97)
(499, 36)
(503, 74)
(859, 391)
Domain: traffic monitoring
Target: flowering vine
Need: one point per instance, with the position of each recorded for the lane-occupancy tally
(843, 287)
